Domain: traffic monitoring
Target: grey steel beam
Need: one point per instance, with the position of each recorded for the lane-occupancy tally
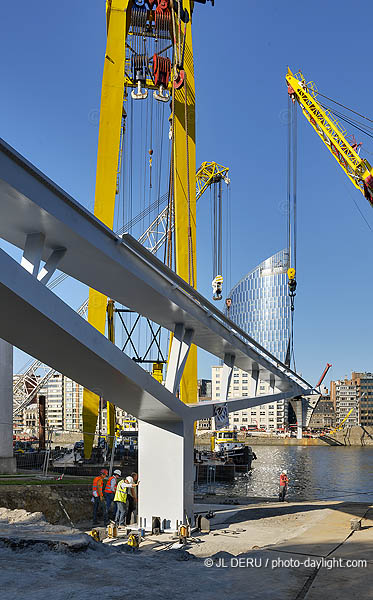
(38, 322)
(205, 410)
(122, 269)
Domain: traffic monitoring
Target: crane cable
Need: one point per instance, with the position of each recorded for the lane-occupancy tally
(292, 220)
(190, 240)
(343, 106)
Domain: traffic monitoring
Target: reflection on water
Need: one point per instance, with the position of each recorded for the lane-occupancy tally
(315, 473)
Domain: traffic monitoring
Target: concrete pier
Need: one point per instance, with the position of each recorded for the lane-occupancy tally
(165, 492)
(7, 462)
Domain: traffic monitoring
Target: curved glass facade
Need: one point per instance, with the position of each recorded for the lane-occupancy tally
(261, 305)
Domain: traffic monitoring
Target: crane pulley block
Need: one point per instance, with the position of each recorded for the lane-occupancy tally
(162, 5)
(162, 12)
(217, 287)
(368, 188)
(162, 73)
(292, 285)
(139, 66)
(291, 273)
(140, 4)
(161, 70)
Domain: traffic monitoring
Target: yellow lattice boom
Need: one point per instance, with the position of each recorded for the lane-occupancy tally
(208, 173)
(357, 169)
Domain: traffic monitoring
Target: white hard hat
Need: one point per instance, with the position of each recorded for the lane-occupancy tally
(285, 472)
(117, 472)
(129, 479)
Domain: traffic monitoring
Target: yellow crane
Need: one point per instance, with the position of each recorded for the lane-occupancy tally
(340, 426)
(327, 127)
(209, 173)
(133, 28)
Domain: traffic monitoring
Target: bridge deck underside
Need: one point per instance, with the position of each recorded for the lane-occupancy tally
(121, 269)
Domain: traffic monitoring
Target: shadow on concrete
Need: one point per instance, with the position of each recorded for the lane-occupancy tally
(299, 572)
(262, 512)
(365, 434)
(330, 441)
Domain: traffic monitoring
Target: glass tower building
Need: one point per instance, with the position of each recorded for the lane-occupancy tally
(261, 304)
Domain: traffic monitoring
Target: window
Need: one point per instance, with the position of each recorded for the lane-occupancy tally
(235, 420)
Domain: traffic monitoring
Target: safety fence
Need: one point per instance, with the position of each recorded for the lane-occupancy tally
(63, 453)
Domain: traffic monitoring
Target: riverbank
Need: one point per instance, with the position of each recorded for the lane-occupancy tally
(348, 436)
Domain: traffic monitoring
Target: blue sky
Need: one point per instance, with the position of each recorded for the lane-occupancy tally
(52, 61)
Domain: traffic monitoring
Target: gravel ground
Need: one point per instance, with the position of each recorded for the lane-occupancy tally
(110, 571)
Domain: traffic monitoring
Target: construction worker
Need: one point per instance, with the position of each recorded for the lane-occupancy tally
(98, 496)
(111, 486)
(283, 486)
(132, 501)
(121, 499)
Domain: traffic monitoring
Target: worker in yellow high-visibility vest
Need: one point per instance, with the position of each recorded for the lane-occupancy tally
(121, 499)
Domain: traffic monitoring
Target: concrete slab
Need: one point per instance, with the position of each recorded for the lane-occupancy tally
(343, 583)
(323, 538)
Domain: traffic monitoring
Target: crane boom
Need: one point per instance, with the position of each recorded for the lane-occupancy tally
(207, 174)
(328, 366)
(357, 169)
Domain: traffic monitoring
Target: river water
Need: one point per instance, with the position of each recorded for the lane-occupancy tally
(315, 473)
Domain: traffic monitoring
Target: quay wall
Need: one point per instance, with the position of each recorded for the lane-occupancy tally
(75, 499)
(349, 436)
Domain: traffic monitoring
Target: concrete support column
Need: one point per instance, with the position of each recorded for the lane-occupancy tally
(166, 474)
(299, 409)
(7, 462)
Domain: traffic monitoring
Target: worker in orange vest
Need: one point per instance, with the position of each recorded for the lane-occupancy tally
(98, 496)
(283, 486)
(110, 487)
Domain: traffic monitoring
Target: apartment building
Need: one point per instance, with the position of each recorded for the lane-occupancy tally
(343, 394)
(323, 416)
(204, 394)
(269, 417)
